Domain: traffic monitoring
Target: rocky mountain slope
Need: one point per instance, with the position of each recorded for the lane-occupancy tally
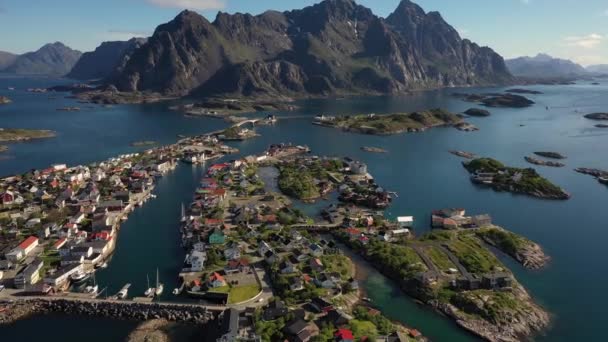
(6, 59)
(51, 59)
(108, 58)
(334, 47)
(544, 66)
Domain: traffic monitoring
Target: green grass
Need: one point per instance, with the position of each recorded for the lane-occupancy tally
(439, 258)
(473, 256)
(363, 328)
(242, 293)
(12, 134)
(340, 264)
(221, 289)
(396, 123)
(506, 241)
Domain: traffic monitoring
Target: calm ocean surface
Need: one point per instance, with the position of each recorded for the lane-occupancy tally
(417, 166)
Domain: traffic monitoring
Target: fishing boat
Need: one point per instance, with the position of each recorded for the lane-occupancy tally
(102, 265)
(159, 286)
(92, 289)
(150, 290)
(183, 219)
(176, 291)
(122, 294)
(79, 277)
(603, 180)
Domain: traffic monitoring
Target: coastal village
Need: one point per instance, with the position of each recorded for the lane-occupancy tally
(58, 225)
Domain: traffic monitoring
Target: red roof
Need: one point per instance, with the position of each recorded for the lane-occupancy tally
(216, 276)
(60, 242)
(28, 242)
(415, 333)
(210, 221)
(219, 166)
(353, 231)
(219, 192)
(344, 334)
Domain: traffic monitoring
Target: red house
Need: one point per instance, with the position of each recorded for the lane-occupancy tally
(344, 335)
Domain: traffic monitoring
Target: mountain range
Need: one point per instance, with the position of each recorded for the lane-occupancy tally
(51, 59)
(598, 68)
(333, 47)
(107, 59)
(544, 66)
(6, 59)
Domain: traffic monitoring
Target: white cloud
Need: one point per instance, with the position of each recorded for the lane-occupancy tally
(190, 4)
(589, 41)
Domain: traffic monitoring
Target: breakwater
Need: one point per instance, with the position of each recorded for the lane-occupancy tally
(115, 310)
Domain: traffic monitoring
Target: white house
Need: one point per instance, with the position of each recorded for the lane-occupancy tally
(197, 261)
(405, 221)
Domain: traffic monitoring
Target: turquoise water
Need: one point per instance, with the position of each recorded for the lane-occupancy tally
(417, 166)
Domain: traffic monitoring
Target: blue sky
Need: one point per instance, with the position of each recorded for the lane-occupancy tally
(575, 29)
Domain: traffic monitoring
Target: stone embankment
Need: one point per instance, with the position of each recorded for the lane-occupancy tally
(117, 310)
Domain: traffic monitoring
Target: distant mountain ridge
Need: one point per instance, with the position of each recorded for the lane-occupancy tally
(52, 59)
(544, 66)
(598, 68)
(6, 59)
(333, 47)
(107, 59)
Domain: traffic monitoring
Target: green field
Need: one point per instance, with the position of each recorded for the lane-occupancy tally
(242, 293)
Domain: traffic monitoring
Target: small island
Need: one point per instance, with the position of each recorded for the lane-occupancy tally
(4, 100)
(144, 143)
(477, 112)
(3, 148)
(492, 173)
(463, 154)
(227, 107)
(373, 149)
(601, 126)
(552, 155)
(236, 133)
(597, 116)
(391, 123)
(524, 91)
(537, 161)
(17, 134)
(600, 175)
(496, 100)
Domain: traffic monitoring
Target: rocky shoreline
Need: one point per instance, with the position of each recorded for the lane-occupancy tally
(463, 154)
(477, 112)
(536, 161)
(552, 155)
(597, 116)
(118, 310)
(528, 253)
(373, 149)
(520, 325)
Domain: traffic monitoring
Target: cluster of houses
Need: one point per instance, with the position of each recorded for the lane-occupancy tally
(62, 219)
(455, 218)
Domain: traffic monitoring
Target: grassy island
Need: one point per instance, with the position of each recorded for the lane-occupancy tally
(306, 182)
(456, 273)
(527, 252)
(16, 134)
(225, 107)
(391, 123)
(490, 172)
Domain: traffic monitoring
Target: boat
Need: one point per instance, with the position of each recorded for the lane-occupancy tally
(603, 180)
(102, 265)
(183, 219)
(92, 289)
(159, 286)
(122, 294)
(150, 290)
(176, 291)
(79, 277)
